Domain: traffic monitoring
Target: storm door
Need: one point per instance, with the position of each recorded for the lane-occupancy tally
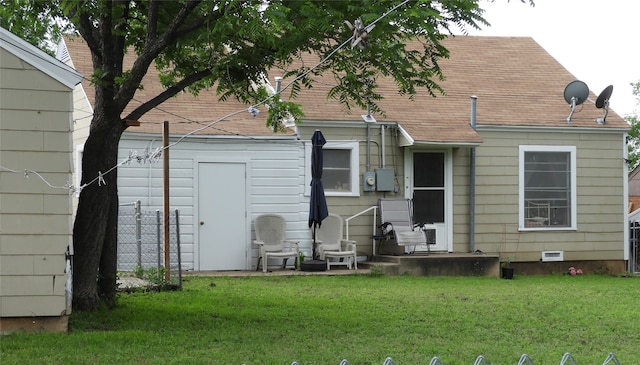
(430, 193)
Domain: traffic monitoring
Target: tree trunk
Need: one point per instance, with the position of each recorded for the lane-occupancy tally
(107, 285)
(96, 225)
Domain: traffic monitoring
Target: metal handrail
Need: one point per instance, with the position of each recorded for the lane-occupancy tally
(375, 217)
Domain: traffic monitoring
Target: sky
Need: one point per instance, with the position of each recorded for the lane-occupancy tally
(598, 41)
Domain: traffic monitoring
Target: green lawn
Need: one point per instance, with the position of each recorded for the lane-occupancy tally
(361, 318)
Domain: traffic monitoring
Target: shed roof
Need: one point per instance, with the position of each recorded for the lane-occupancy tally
(516, 81)
(39, 59)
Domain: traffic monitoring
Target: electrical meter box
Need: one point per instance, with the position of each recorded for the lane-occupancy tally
(369, 181)
(385, 179)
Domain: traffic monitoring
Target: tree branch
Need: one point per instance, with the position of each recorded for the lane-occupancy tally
(150, 51)
(170, 92)
(86, 29)
(152, 20)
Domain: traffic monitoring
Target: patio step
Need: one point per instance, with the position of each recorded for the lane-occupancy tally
(436, 264)
(387, 268)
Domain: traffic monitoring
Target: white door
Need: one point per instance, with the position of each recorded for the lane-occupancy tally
(222, 227)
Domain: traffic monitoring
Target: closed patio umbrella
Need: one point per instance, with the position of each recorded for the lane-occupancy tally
(318, 204)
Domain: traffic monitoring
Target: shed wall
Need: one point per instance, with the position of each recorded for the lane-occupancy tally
(275, 183)
(35, 219)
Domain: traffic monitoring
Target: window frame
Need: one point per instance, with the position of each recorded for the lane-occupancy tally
(523, 149)
(353, 146)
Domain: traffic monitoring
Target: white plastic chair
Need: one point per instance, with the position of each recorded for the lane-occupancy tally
(270, 236)
(331, 247)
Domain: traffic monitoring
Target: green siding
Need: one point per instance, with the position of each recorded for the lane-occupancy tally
(600, 177)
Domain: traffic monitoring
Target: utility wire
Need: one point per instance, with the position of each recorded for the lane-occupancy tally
(154, 155)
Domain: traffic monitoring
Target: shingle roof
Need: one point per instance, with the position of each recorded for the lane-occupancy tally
(185, 112)
(516, 81)
(38, 59)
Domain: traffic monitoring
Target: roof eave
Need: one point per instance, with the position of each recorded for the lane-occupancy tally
(568, 128)
(39, 59)
(406, 140)
(204, 137)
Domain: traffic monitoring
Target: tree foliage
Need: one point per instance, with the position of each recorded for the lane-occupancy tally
(633, 144)
(225, 45)
(38, 22)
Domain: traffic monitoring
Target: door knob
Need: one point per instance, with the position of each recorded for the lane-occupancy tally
(202, 223)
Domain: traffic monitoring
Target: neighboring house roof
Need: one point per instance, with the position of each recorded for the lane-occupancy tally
(516, 81)
(39, 59)
(633, 175)
(185, 112)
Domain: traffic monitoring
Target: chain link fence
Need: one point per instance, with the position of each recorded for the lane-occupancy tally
(634, 247)
(525, 359)
(141, 242)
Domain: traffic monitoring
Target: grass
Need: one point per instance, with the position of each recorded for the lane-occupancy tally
(362, 318)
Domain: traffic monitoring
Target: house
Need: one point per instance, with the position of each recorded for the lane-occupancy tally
(520, 181)
(36, 107)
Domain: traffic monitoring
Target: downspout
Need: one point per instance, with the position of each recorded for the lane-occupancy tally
(368, 165)
(472, 181)
(278, 84)
(382, 142)
(277, 95)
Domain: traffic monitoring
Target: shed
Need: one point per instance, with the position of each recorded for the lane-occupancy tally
(36, 107)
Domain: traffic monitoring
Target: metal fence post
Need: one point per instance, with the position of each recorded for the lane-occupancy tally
(159, 236)
(178, 248)
(139, 232)
(137, 248)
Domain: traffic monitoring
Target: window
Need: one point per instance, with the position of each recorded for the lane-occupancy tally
(336, 172)
(340, 168)
(547, 187)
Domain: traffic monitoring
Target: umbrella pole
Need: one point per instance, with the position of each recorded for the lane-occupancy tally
(314, 243)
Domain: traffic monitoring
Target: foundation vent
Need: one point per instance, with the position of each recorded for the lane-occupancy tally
(552, 256)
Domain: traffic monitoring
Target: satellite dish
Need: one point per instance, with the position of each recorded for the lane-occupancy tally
(577, 90)
(603, 98)
(575, 93)
(602, 102)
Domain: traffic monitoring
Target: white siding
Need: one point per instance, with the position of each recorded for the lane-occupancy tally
(82, 114)
(275, 182)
